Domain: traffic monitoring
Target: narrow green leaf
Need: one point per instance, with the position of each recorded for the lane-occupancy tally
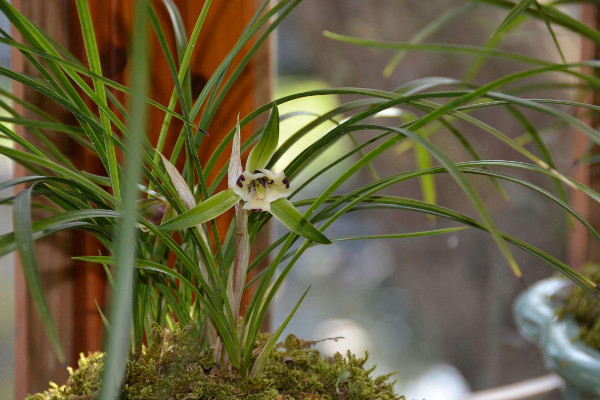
(424, 33)
(540, 145)
(270, 20)
(72, 67)
(557, 17)
(471, 150)
(384, 202)
(54, 224)
(399, 235)
(261, 360)
(436, 48)
(104, 320)
(205, 211)
(516, 12)
(416, 205)
(143, 264)
(183, 72)
(56, 76)
(551, 30)
(192, 165)
(117, 349)
(471, 193)
(261, 153)
(363, 237)
(492, 43)
(424, 160)
(24, 242)
(178, 28)
(91, 47)
(21, 180)
(289, 216)
(370, 166)
(25, 158)
(109, 276)
(208, 301)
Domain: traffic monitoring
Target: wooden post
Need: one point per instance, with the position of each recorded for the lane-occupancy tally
(582, 248)
(35, 362)
(73, 289)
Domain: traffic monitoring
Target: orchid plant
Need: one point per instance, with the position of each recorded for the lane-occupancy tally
(259, 188)
(149, 200)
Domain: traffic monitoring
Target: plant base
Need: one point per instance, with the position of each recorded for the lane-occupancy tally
(174, 366)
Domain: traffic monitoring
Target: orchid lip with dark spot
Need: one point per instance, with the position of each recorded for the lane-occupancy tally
(240, 180)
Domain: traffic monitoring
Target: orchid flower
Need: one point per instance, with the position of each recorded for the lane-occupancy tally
(151, 209)
(257, 187)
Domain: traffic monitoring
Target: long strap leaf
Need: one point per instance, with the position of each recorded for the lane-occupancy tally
(120, 319)
(89, 38)
(24, 244)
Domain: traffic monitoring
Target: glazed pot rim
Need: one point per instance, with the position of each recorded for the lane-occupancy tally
(535, 314)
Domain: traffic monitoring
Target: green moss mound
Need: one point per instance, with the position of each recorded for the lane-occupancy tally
(175, 367)
(585, 309)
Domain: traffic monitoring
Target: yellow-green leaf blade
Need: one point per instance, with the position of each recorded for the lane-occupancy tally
(261, 153)
(289, 216)
(424, 160)
(203, 212)
(24, 243)
(519, 9)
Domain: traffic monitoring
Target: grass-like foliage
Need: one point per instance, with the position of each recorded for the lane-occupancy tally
(157, 223)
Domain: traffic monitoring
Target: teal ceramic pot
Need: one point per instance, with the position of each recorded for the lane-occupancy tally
(535, 316)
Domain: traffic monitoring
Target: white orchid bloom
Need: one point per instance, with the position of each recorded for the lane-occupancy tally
(259, 188)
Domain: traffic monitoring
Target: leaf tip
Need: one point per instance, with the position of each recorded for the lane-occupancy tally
(322, 239)
(165, 226)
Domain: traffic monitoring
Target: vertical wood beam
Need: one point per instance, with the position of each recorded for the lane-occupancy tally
(581, 248)
(112, 22)
(73, 291)
(35, 361)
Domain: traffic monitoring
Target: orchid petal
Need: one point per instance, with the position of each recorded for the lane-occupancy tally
(235, 162)
(259, 188)
(181, 186)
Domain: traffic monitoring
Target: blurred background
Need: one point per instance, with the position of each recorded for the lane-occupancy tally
(7, 293)
(437, 310)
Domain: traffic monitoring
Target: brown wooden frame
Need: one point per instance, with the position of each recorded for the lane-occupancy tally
(581, 248)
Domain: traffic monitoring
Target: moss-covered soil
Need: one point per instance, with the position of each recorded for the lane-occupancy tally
(585, 309)
(174, 367)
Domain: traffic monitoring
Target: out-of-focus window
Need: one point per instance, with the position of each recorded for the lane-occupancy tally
(436, 309)
(7, 294)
